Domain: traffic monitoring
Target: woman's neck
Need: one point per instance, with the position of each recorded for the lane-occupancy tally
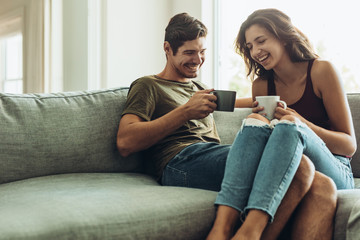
(291, 72)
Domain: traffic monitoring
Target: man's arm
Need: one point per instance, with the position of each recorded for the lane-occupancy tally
(135, 134)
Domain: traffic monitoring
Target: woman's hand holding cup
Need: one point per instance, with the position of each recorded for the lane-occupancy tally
(266, 105)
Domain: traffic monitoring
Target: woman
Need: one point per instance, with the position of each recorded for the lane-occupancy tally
(317, 123)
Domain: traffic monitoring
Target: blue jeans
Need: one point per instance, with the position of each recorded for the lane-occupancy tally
(263, 161)
(200, 165)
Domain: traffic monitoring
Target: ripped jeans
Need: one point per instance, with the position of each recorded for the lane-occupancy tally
(263, 160)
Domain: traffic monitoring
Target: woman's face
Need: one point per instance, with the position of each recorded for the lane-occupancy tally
(264, 47)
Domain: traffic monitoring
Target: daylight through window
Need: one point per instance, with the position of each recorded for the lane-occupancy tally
(11, 64)
(329, 25)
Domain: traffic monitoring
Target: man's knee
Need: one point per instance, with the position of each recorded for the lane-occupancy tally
(306, 169)
(304, 175)
(323, 190)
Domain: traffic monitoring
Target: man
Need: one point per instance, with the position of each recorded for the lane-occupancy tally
(169, 115)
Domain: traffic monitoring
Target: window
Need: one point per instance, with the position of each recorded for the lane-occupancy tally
(11, 51)
(11, 64)
(329, 25)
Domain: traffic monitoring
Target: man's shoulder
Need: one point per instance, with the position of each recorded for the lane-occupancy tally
(143, 83)
(150, 79)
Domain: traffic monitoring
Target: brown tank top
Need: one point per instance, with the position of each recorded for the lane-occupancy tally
(309, 106)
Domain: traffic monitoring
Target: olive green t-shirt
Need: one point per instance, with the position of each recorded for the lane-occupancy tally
(151, 97)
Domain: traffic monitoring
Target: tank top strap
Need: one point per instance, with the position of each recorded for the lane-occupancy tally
(309, 85)
(310, 106)
(271, 86)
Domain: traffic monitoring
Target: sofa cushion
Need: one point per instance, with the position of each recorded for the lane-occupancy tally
(347, 219)
(44, 134)
(103, 206)
(228, 123)
(352, 231)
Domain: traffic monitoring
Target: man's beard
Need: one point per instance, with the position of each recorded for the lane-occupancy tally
(184, 75)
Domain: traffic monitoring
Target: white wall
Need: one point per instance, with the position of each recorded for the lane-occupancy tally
(135, 36)
(192, 7)
(133, 41)
(75, 48)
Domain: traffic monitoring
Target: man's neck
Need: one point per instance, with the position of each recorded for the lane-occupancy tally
(172, 77)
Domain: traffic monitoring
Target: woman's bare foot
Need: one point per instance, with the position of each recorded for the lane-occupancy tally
(253, 226)
(226, 219)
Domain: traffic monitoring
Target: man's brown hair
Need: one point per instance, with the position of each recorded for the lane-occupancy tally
(181, 28)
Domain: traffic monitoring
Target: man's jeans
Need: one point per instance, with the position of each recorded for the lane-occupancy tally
(200, 165)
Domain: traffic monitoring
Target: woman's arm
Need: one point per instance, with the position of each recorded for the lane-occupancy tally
(259, 88)
(326, 82)
(244, 102)
(341, 140)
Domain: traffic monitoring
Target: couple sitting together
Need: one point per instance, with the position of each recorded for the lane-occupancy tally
(275, 174)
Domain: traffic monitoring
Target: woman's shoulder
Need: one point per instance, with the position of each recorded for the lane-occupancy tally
(322, 68)
(324, 75)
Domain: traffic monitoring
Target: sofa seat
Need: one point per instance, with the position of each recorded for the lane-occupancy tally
(357, 182)
(348, 207)
(103, 206)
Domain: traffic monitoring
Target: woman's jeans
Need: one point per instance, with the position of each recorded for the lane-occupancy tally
(259, 166)
(263, 160)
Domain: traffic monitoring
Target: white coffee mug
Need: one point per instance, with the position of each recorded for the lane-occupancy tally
(269, 103)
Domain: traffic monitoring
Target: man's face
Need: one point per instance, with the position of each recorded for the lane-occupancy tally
(188, 59)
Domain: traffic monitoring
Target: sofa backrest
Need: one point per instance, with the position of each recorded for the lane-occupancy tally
(43, 134)
(354, 103)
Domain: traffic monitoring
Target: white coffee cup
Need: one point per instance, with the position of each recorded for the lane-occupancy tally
(269, 103)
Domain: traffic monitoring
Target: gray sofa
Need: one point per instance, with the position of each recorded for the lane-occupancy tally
(61, 176)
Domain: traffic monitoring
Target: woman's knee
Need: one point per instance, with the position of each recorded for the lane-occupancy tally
(258, 117)
(289, 118)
